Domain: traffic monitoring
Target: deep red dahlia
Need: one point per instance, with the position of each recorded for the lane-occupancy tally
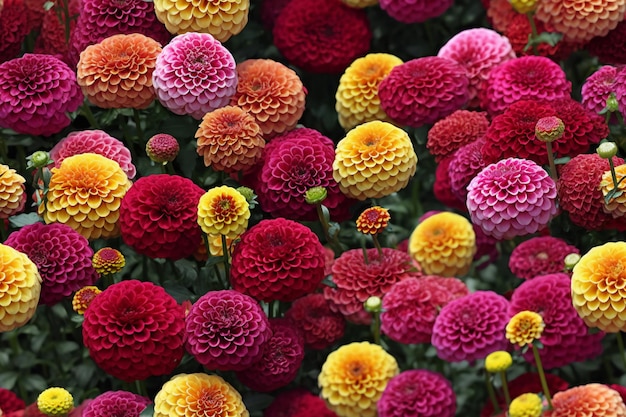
(270, 10)
(134, 330)
(322, 327)
(604, 46)
(298, 403)
(14, 26)
(455, 131)
(9, 401)
(114, 403)
(442, 188)
(52, 36)
(407, 11)
(518, 30)
(466, 163)
(540, 256)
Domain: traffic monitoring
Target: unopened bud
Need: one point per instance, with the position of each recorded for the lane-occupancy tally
(607, 150)
(315, 195)
(373, 304)
(571, 260)
(612, 104)
(549, 129)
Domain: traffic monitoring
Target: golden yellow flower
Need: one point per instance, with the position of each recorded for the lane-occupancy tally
(359, 4)
(55, 401)
(354, 377)
(444, 244)
(20, 286)
(526, 405)
(85, 193)
(108, 261)
(524, 328)
(498, 361)
(373, 220)
(12, 197)
(195, 395)
(223, 211)
(374, 160)
(357, 94)
(524, 6)
(599, 287)
(83, 298)
(617, 205)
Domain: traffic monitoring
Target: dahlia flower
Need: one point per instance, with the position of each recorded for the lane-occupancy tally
(113, 403)
(498, 361)
(55, 401)
(442, 188)
(466, 163)
(373, 220)
(524, 328)
(596, 400)
(500, 13)
(321, 326)
(270, 10)
(604, 46)
(540, 255)
(108, 261)
(84, 297)
(455, 131)
(354, 377)
(9, 401)
(223, 211)
(298, 403)
(616, 205)
(518, 30)
(14, 26)
(52, 34)
(162, 148)
(406, 11)
(598, 87)
(12, 196)
(526, 405)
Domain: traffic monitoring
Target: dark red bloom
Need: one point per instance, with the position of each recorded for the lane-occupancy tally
(442, 187)
(52, 36)
(298, 403)
(9, 401)
(270, 10)
(518, 30)
(321, 326)
(604, 47)
(540, 256)
(408, 11)
(14, 26)
(454, 131)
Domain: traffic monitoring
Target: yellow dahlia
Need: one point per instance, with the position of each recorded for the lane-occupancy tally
(359, 4)
(524, 6)
(357, 94)
(20, 286)
(85, 193)
(223, 211)
(444, 244)
(12, 197)
(194, 395)
(526, 405)
(374, 160)
(599, 287)
(616, 205)
(373, 220)
(83, 298)
(55, 401)
(498, 361)
(354, 377)
(108, 261)
(524, 328)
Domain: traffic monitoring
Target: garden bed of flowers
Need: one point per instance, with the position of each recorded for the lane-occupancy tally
(324, 208)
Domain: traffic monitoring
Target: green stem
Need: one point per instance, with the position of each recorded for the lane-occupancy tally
(140, 388)
(613, 175)
(170, 168)
(218, 274)
(620, 344)
(492, 394)
(553, 173)
(86, 111)
(137, 119)
(4, 232)
(332, 241)
(533, 30)
(505, 388)
(365, 257)
(376, 327)
(226, 258)
(542, 376)
(378, 247)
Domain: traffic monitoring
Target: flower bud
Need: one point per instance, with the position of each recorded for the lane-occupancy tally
(607, 150)
(39, 159)
(549, 129)
(373, 305)
(315, 195)
(524, 6)
(498, 361)
(571, 260)
(612, 104)
(162, 148)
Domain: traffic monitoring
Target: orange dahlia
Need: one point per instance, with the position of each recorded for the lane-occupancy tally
(272, 93)
(12, 197)
(617, 204)
(84, 297)
(108, 261)
(85, 193)
(374, 160)
(191, 395)
(357, 94)
(444, 244)
(524, 328)
(20, 286)
(373, 220)
(117, 72)
(599, 287)
(223, 211)
(595, 400)
(229, 139)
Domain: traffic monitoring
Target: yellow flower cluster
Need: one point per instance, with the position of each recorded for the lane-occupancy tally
(616, 205)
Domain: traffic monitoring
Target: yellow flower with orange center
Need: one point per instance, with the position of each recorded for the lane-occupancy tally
(617, 205)
(194, 395)
(357, 98)
(354, 377)
(595, 400)
(444, 244)
(12, 197)
(223, 211)
(84, 297)
(599, 287)
(524, 328)
(526, 405)
(107, 261)
(85, 193)
(373, 220)
(374, 160)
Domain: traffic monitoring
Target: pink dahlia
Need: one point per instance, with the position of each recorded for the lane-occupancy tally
(321, 326)
(466, 163)
(9, 401)
(298, 403)
(14, 26)
(471, 327)
(134, 330)
(226, 330)
(423, 90)
(158, 216)
(540, 256)
(356, 279)
(417, 392)
(565, 337)
(604, 46)
(418, 11)
(442, 188)
(478, 51)
(36, 93)
(455, 131)
(598, 87)
(411, 306)
(277, 259)
(513, 197)
(527, 77)
(116, 403)
(194, 75)
(322, 36)
(62, 256)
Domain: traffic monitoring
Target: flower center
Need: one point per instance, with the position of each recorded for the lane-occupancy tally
(542, 256)
(210, 403)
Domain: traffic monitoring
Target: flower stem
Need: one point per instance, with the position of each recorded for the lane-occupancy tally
(4, 232)
(140, 387)
(86, 111)
(553, 173)
(137, 120)
(492, 394)
(533, 30)
(613, 175)
(378, 247)
(505, 388)
(376, 327)
(332, 241)
(542, 376)
(620, 345)
(225, 256)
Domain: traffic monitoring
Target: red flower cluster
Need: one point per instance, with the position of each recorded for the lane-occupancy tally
(454, 131)
(298, 403)
(540, 256)
(322, 327)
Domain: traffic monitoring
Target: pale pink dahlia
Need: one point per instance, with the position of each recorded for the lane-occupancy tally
(598, 88)
(539, 256)
(416, 11)
(194, 75)
(466, 163)
(513, 197)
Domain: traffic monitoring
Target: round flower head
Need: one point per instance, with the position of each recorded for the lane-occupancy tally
(192, 395)
(424, 90)
(134, 330)
(162, 148)
(108, 261)
(471, 327)
(526, 405)
(221, 18)
(117, 72)
(373, 220)
(517, 29)
(230, 140)
(524, 6)
(85, 193)
(587, 400)
(442, 188)
(277, 259)
(465, 164)
(112, 403)
(321, 326)
(12, 196)
(616, 205)
(9, 401)
(36, 94)
(272, 93)
(15, 25)
(357, 98)
(298, 403)
(498, 361)
(83, 298)
(55, 401)
(604, 46)
(417, 392)
(598, 87)
(524, 328)
(223, 211)
(539, 256)
(354, 377)
(455, 131)
(406, 11)
(374, 160)
(20, 286)
(226, 330)
(194, 75)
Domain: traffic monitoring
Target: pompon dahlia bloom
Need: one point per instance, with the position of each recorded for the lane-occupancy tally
(36, 93)
(9, 401)
(83, 298)
(117, 72)
(12, 195)
(86, 193)
(443, 244)
(527, 77)
(55, 402)
(356, 280)
(513, 197)
(411, 306)
(471, 327)
(406, 11)
(20, 286)
(272, 93)
(226, 330)
(616, 206)
(15, 25)
(162, 148)
(598, 87)
(277, 259)
(373, 220)
(524, 328)
(62, 257)
(191, 395)
(423, 90)
(223, 211)
(540, 256)
(417, 392)
(321, 326)
(587, 400)
(442, 188)
(518, 29)
(134, 330)
(526, 405)
(113, 403)
(357, 98)
(455, 131)
(478, 50)
(354, 377)
(298, 403)
(107, 261)
(466, 163)
(604, 46)
(194, 75)
(374, 160)
(94, 141)
(270, 10)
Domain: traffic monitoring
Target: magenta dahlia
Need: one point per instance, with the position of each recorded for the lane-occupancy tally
(298, 403)
(14, 26)
(116, 403)
(539, 256)
(455, 131)
(442, 188)
(598, 87)
(407, 11)
(321, 326)
(9, 401)
(604, 46)
(466, 163)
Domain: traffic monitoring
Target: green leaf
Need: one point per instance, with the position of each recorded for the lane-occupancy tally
(8, 379)
(34, 382)
(148, 411)
(563, 160)
(65, 347)
(24, 219)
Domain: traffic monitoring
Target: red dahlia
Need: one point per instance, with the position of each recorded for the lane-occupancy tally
(322, 327)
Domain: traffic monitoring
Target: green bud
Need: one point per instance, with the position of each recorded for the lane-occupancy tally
(315, 195)
(373, 305)
(571, 260)
(612, 104)
(247, 193)
(39, 159)
(607, 150)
